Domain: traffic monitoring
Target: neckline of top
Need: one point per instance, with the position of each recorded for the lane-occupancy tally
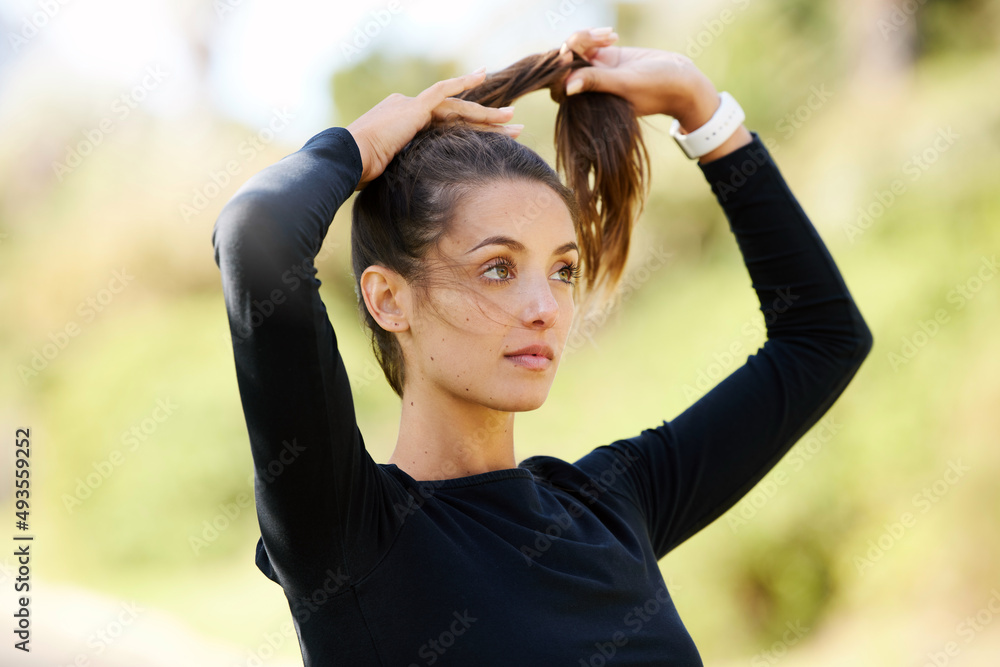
(468, 480)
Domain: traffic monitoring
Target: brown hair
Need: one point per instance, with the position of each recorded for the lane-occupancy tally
(399, 216)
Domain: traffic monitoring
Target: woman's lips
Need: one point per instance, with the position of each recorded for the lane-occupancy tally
(530, 361)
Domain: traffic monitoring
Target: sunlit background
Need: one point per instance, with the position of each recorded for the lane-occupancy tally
(126, 126)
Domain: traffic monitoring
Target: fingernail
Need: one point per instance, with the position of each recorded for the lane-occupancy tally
(601, 32)
(513, 128)
(480, 70)
(574, 86)
(564, 48)
(505, 109)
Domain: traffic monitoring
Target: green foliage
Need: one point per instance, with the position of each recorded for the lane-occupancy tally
(901, 422)
(957, 26)
(357, 89)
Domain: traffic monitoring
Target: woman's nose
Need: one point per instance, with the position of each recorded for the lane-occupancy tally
(540, 307)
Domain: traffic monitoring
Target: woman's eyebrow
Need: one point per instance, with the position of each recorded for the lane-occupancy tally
(517, 246)
(566, 247)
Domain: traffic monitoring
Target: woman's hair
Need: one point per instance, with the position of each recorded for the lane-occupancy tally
(401, 215)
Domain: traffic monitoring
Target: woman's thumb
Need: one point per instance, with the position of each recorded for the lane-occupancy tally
(577, 81)
(597, 79)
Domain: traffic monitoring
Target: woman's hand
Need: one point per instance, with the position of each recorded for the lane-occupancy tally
(653, 81)
(382, 131)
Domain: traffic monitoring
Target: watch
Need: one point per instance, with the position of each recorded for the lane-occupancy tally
(712, 134)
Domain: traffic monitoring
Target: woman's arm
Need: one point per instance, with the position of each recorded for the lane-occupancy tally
(308, 456)
(686, 473)
(683, 475)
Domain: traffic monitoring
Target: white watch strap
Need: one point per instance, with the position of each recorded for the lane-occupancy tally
(726, 119)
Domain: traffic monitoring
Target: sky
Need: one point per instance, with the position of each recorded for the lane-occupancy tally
(78, 54)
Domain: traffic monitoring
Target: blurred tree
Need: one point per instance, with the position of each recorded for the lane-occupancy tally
(785, 577)
(957, 26)
(629, 19)
(880, 39)
(887, 37)
(358, 88)
(809, 20)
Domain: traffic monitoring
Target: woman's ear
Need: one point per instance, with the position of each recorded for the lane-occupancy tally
(387, 297)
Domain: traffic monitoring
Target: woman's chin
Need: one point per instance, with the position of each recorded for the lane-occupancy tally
(526, 401)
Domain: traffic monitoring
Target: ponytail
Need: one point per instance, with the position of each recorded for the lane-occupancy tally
(597, 135)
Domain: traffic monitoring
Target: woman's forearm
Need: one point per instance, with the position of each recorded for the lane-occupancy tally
(785, 256)
(741, 137)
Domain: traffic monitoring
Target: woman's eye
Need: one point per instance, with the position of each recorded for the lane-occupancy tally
(502, 271)
(568, 273)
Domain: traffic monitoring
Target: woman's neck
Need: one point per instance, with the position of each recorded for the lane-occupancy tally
(443, 437)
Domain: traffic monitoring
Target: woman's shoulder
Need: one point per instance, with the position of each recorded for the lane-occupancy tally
(582, 475)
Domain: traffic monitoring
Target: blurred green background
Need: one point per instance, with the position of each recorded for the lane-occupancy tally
(873, 542)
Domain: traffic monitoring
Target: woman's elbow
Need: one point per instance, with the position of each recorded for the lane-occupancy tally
(245, 223)
(863, 341)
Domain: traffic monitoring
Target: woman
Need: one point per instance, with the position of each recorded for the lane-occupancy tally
(452, 553)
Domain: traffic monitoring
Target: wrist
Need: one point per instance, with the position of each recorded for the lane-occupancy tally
(741, 137)
(708, 124)
(698, 108)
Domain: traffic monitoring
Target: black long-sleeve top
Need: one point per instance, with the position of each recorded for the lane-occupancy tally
(548, 563)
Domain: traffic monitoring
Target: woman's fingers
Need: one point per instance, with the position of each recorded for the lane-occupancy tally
(445, 107)
(454, 108)
(587, 42)
(514, 130)
(384, 129)
(441, 90)
(487, 118)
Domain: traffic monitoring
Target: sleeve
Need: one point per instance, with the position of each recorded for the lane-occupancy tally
(686, 473)
(315, 483)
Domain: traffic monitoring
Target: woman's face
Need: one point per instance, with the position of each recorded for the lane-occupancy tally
(501, 281)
